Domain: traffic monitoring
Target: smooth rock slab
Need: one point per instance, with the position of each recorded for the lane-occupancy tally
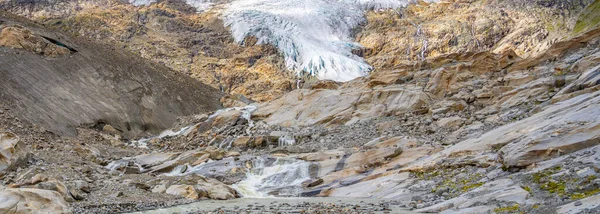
(25, 200)
(337, 107)
(186, 191)
(562, 128)
(590, 203)
(499, 190)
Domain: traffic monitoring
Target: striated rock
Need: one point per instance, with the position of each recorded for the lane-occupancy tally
(27, 200)
(504, 190)
(587, 79)
(392, 186)
(580, 206)
(105, 86)
(13, 152)
(557, 50)
(559, 129)
(325, 84)
(336, 107)
(389, 77)
(227, 118)
(190, 157)
(312, 182)
(186, 191)
(166, 162)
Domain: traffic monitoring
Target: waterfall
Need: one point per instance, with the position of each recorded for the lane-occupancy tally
(246, 114)
(286, 141)
(143, 142)
(283, 177)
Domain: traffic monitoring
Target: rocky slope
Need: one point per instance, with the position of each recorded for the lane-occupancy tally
(60, 84)
(173, 34)
(507, 126)
(459, 133)
(198, 44)
(424, 31)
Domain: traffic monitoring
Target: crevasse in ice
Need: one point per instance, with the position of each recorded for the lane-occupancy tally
(314, 36)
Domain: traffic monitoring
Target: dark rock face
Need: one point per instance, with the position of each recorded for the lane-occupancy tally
(96, 85)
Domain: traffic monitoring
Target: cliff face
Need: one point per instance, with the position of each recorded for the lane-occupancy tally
(60, 84)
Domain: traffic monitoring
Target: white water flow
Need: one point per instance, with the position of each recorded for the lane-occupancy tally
(246, 114)
(283, 177)
(286, 141)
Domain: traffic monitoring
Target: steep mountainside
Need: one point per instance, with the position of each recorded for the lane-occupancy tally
(61, 84)
(200, 45)
(173, 34)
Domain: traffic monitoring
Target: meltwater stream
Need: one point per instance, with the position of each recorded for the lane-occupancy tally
(283, 177)
(265, 176)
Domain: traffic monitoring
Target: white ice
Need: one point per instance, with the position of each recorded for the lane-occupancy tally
(142, 2)
(200, 5)
(314, 36)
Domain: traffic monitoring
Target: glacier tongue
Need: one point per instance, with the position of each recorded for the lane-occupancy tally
(200, 5)
(313, 35)
(141, 2)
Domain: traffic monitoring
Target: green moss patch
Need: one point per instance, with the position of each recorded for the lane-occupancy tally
(451, 183)
(588, 19)
(508, 209)
(564, 185)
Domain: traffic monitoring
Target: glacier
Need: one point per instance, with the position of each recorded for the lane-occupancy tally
(142, 2)
(314, 36)
(200, 5)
